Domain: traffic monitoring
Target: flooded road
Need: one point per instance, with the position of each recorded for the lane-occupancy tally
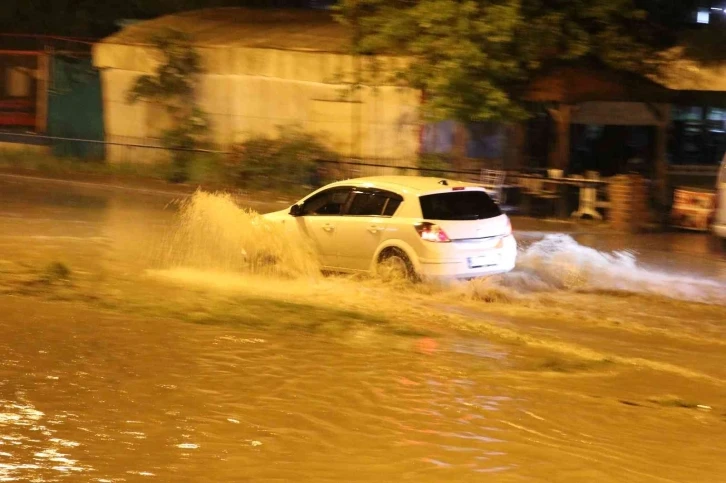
(581, 366)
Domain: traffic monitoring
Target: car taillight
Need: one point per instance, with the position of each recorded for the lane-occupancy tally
(432, 233)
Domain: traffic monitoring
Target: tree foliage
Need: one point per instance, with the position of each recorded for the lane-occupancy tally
(175, 79)
(174, 85)
(471, 58)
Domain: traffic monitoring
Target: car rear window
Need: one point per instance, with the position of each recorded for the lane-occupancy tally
(459, 205)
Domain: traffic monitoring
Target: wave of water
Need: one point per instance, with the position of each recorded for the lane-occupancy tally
(559, 262)
(215, 235)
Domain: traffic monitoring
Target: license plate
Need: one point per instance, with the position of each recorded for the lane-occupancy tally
(483, 260)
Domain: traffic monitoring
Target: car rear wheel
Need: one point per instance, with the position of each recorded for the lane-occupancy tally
(394, 264)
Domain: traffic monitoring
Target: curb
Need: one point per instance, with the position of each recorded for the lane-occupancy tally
(183, 191)
(98, 184)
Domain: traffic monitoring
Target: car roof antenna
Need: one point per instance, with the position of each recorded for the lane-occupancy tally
(444, 182)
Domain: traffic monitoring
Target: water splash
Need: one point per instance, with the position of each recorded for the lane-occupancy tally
(213, 233)
(558, 262)
(215, 239)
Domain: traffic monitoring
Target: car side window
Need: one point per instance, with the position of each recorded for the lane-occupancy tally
(367, 204)
(328, 202)
(373, 202)
(391, 207)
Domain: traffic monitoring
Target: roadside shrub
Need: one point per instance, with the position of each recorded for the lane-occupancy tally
(286, 163)
(207, 169)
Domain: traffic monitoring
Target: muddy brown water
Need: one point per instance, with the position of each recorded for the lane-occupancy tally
(92, 394)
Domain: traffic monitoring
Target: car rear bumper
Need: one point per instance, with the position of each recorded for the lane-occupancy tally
(461, 270)
(458, 265)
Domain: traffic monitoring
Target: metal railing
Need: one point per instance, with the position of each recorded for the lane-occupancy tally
(150, 151)
(134, 151)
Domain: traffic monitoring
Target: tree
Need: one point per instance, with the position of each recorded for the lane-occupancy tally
(472, 58)
(174, 85)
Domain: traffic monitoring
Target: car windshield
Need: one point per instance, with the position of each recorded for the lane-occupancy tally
(459, 205)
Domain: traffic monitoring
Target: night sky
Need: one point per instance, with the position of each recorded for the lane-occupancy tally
(93, 18)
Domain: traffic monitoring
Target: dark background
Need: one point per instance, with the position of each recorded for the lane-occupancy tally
(95, 19)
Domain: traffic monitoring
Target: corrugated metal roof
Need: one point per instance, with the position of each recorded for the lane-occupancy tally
(592, 81)
(306, 30)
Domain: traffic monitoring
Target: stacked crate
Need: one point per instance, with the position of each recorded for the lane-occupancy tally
(629, 209)
(693, 208)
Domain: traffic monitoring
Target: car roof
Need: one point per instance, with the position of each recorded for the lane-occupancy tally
(414, 184)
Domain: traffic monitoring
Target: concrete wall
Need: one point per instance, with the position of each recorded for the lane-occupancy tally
(251, 92)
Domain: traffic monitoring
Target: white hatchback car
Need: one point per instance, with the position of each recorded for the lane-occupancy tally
(416, 226)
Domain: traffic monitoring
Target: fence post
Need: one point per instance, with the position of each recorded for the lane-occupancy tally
(41, 113)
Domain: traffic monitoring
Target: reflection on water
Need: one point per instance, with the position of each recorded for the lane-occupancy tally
(29, 447)
(204, 403)
(118, 399)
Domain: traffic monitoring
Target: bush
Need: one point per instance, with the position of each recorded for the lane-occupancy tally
(286, 163)
(206, 168)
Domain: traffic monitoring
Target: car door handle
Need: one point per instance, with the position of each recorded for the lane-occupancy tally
(374, 229)
(328, 227)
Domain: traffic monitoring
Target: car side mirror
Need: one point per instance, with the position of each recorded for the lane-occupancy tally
(296, 210)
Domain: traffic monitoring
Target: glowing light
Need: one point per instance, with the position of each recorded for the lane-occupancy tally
(432, 233)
